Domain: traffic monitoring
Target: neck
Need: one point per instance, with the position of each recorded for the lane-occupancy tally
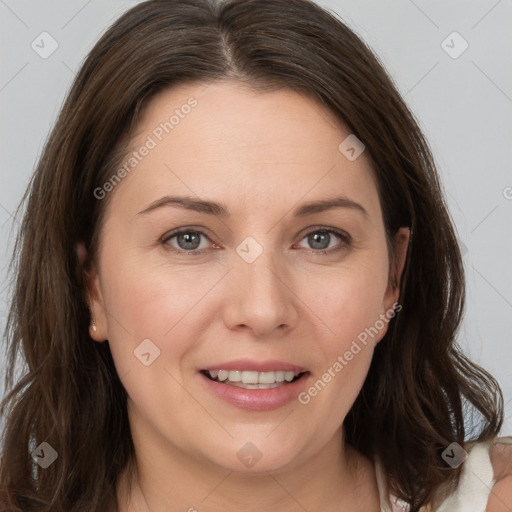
(167, 478)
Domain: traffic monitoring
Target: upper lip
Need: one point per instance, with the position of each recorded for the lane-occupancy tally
(256, 366)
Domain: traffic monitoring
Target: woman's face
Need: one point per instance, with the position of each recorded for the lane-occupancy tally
(267, 276)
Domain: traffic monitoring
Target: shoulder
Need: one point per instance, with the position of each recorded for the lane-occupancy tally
(485, 482)
(500, 498)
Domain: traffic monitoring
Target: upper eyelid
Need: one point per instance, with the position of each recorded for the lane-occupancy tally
(314, 229)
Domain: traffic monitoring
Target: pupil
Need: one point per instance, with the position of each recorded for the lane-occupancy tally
(316, 240)
(189, 240)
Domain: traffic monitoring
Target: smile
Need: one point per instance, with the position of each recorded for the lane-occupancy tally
(252, 379)
(254, 390)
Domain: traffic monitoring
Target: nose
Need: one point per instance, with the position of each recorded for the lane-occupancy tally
(261, 297)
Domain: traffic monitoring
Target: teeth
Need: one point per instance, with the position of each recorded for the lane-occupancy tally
(234, 376)
(251, 377)
(267, 378)
(288, 376)
(222, 375)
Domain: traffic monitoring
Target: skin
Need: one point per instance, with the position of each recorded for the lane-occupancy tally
(500, 499)
(275, 151)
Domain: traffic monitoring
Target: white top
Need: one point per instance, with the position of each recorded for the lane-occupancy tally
(475, 484)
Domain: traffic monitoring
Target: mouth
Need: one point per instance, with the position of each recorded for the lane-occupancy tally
(248, 379)
(255, 384)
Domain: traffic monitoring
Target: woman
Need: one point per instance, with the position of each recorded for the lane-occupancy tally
(238, 285)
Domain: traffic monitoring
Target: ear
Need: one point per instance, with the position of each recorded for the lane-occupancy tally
(94, 297)
(401, 244)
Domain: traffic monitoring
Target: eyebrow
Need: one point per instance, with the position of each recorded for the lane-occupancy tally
(220, 210)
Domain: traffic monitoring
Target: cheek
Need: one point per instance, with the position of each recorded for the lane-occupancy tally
(347, 301)
(343, 357)
(148, 300)
(144, 295)
(148, 315)
(350, 310)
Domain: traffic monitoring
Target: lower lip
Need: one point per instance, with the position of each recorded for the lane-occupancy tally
(257, 399)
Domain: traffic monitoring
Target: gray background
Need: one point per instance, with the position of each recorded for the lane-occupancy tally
(463, 104)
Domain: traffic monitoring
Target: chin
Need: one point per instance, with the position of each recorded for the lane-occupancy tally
(255, 455)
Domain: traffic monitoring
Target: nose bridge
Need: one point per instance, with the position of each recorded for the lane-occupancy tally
(262, 299)
(261, 276)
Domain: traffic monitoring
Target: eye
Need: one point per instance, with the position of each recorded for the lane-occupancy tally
(323, 240)
(320, 240)
(187, 241)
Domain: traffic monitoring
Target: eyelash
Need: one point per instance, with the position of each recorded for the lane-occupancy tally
(345, 238)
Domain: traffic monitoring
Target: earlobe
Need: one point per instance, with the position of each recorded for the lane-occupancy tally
(99, 325)
(402, 241)
(391, 305)
(81, 252)
(401, 245)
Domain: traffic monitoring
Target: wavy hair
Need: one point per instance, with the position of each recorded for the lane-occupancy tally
(420, 387)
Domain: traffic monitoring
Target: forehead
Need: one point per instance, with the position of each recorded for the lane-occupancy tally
(224, 140)
(230, 116)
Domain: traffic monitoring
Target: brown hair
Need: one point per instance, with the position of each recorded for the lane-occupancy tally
(414, 401)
